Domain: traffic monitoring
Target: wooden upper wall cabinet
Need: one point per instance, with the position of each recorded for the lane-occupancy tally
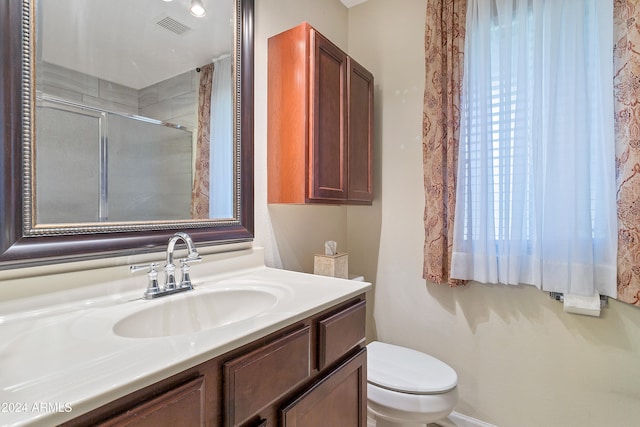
(320, 122)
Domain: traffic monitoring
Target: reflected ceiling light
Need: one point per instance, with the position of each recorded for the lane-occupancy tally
(197, 9)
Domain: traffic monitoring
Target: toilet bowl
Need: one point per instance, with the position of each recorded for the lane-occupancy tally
(408, 388)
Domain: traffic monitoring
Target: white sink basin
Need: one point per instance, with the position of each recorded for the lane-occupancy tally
(195, 312)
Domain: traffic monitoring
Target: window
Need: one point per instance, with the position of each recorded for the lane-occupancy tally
(536, 180)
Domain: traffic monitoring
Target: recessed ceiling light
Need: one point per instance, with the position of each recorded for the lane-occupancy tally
(197, 9)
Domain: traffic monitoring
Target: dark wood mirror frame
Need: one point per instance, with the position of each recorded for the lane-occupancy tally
(16, 250)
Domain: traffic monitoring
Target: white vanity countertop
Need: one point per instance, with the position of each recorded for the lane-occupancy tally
(58, 362)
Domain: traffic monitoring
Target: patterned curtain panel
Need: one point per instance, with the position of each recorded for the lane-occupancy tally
(444, 46)
(626, 15)
(444, 42)
(200, 191)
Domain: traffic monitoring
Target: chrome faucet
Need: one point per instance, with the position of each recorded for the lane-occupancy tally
(170, 268)
(170, 285)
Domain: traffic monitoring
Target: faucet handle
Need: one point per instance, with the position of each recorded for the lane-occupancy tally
(185, 267)
(152, 274)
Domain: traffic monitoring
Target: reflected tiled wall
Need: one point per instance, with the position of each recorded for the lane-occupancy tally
(141, 186)
(88, 90)
(174, 100)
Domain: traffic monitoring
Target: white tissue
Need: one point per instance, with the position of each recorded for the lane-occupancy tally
(330, 247)
(580, 304)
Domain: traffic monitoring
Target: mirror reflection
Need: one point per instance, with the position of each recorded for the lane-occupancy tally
(134, 112)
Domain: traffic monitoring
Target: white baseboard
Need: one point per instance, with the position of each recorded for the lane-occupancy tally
(454, 419)
(460, 420)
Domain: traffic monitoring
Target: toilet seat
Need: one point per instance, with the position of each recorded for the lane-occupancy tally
(407, 387)
(404, 370)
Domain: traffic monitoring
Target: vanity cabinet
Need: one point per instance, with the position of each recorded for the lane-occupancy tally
(320, 121)
(311, 373)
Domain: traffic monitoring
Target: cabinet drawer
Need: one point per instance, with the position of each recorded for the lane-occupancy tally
(182, 406)
(255, 380)
(340, 332)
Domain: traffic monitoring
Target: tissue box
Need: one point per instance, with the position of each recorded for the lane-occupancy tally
(331, 265)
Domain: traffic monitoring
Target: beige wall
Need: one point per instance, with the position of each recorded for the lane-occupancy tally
(521, 361)
(292, 234)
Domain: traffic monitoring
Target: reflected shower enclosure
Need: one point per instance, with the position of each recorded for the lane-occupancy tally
(99, 166)
(128, 126)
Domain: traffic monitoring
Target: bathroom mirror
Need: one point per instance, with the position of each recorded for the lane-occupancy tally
(110, 146)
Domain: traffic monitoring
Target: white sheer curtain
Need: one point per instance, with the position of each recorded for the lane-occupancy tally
(221, 148)
(536, 199)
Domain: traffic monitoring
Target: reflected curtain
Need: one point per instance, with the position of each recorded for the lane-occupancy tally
(627, 119)
(221, 151)
(444, 47)
(200, 191)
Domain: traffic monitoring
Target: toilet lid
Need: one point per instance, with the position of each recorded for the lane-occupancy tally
(409, 371)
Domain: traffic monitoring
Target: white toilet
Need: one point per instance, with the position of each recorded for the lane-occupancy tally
(407, 388)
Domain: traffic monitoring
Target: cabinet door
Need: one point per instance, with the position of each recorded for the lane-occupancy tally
(339, 399)
(360, 134)
(328, 112)
(182, 406)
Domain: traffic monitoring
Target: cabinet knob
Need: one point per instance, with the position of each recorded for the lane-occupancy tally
(261, 423)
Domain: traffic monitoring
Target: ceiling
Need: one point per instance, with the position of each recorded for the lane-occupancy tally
(120, 40)
(351, 3)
